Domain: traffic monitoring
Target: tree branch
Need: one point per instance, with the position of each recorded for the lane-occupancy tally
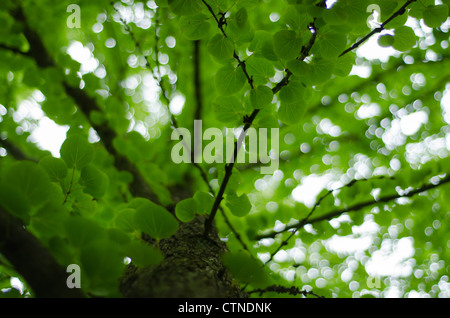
(87, 104)
(397, 13)
(139, 186)
(158, 79)
(219, 22)
(303, 55)
(197, 82)
(12, 49)
(304, 221)
(15, 151)
(32, 260)
(356, 207)
(248, 121)
(377, 77)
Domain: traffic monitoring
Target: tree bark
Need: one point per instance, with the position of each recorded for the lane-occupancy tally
(192, 268)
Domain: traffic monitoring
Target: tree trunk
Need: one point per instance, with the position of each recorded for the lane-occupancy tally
(192, 268)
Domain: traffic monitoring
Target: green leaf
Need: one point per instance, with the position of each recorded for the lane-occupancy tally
(155, 221)
(195, 27)
(247, 3)
(118, 236)
(124, 220)
(294, 19)
(241, 18)
(30, 179)
(162, 3)
(382, 217)
(322, 70)
(397, 22)
(56, 168)
(136, 203)
(262, 45)
(94, 180)
(185, 7)
(260, 70)
(268, 121)
(239, 34)
(239, 205)
(221, 47)
(77, 152)
(261, 97)
(230, 79)
(11, 293)
(246, 269)
(344, 65)
(418, 7)
(292, 92)
(291, 113)
(142, 254)
(102, 264)
(49, 220)
(386, 40)
(287, 44)
(234, 181)
(267, 49)
(84, 204)
(82, 232)
(14, 201)
(185, 210)
(218, 4)
(404, 39)
(331, 43)
(204, 202)
(434, 16)
(228, 109)
(355, 10)
(387, 8)
(337, 15)
(368, 296)
(300, 69)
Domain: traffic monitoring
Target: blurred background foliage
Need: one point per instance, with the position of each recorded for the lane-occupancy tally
(378, 114)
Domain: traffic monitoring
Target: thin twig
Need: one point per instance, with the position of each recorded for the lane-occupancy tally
(304, 221)
(248, 121)
(15, 151)
(13, 49)
(219, 23)
(197, 114)
(397, 13)
(357, 207)
(70, 186)
(148, 63)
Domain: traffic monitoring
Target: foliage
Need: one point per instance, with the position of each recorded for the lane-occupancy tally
(378, 142)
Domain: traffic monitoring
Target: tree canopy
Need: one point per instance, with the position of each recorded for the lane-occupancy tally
(338, 189)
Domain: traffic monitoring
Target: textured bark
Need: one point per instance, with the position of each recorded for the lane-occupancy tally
(192, 268)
